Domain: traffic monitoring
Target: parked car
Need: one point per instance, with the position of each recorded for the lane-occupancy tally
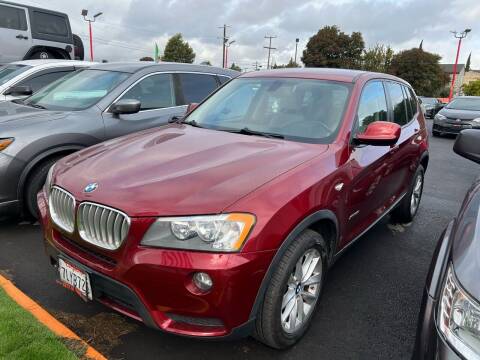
(461, 113)
(432, 106)
(226, 223)
(449, 323)
(28, 32)
(85, 108)
(21, 79)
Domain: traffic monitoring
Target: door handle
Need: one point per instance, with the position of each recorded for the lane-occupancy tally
(20, 36)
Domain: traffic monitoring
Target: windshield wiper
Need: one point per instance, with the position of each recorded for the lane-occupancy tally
(35, 106)
(247, 131)
(192, 123)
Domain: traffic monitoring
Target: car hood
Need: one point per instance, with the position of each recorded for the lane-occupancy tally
(13, 114)
(466, 243)
(460, 114)
(179, 169)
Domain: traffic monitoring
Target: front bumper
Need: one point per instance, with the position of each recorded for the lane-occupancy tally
(10, 172)
(430, 343)
(446, 127)
(154, 285)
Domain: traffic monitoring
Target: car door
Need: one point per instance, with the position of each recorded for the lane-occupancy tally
(369, 166)
(15, 39)
(405, 152)
(158, 99)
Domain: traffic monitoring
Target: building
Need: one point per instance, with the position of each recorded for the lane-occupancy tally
(448, 69)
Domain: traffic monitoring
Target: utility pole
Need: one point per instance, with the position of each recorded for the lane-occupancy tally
(84, 14)
(296, 48)
(224, 43)
(459, 36)
(257, 66)
(270, 48)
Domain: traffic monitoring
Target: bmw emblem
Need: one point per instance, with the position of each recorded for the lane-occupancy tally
(90, 187)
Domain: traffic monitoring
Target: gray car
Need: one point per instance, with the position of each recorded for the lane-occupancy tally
(461, 113)
(87, 107)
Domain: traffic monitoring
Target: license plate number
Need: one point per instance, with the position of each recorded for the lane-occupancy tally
(74, 279)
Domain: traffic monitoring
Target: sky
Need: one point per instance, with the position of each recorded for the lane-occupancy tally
(128, 29)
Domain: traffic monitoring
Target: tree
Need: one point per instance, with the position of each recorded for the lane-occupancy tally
(472, 88)
(421, 69)
(378, 58)
(146, 58)
(330, 47)
(235, 67)
(467, 65)
(178, 50)
(290, 64)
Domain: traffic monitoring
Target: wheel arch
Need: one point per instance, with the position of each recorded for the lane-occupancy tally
(38, 48)
(324, 222)
(424, 159)
(39, 159)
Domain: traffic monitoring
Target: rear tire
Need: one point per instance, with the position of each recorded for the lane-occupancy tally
(79, 51)
(43, 54)
(408, 207)
(35, 182)
(293, 292)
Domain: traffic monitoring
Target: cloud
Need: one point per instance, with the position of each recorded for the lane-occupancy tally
(129, 28)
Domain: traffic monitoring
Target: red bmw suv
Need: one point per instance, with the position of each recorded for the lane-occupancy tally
(225, 223)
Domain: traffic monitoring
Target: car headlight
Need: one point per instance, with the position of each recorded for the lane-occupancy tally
(440, 117)
(4, 143)
(48, 181)
(218, 233)
(477, 120)
(459, 318)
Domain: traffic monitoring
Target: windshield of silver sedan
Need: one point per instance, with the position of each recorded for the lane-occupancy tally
(289, 108)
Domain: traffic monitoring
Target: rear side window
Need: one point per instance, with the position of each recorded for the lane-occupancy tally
(413, 101)
(197, 87)
(12, 18)
(372, 106)
(410, 113)
(49, 24)
(223, 79)
(398, 102)
(153, 92)
(38, 82)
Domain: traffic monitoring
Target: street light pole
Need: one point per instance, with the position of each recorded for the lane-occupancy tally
(296, 48)
(84, 14)
(459, 36)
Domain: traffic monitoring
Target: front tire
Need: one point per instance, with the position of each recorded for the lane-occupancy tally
(408, 207)
(292, 295)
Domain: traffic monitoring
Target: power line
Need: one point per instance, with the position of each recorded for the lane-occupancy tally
(270, 48)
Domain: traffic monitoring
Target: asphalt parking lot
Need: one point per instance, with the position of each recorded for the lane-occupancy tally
(368, 310)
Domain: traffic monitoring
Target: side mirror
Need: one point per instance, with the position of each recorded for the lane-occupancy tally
(126, 106)
(380, 133)
(191, 107)
(467, 145)
(19, 91)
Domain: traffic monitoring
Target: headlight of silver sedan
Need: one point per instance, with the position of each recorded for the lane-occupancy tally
(440, 117)
(216, 233)
(459, 318)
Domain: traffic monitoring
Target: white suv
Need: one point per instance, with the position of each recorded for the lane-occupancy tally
(23, 78)
(28, 32)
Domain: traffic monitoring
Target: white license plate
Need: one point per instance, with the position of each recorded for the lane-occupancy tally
(74, 279)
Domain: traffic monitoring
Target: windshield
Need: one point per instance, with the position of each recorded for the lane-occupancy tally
(8, 72)
(465, 104)
(295, 109)
(429, 101)
(77, 91)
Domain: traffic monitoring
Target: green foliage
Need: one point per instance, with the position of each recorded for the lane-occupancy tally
(331, 47)
(421, 69)
(146, 58)
(290, 64)
(467, 65)
(235, 67)
(472, 88)
(23, 337)
(178, 50)
(378, 58)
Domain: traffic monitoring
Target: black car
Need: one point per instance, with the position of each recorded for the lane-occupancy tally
(431, 105)
(461, 113)
(449, 323)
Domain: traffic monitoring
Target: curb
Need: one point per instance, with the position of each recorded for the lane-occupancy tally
(45, 318)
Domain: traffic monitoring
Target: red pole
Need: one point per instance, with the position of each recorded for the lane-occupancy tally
(91, 40)
(455, 70)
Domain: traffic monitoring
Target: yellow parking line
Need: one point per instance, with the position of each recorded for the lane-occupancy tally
(45, 318)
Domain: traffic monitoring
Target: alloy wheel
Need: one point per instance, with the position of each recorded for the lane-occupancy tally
(416, 194)
(303, 290)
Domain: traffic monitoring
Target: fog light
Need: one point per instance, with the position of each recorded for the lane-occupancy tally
(203, 281)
